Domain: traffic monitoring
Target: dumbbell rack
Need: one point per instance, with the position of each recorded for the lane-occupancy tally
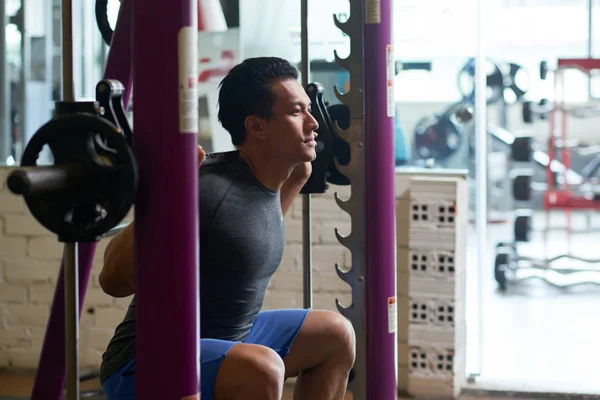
(560, 194)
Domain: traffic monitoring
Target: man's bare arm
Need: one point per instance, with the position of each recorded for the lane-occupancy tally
(292, 186)
(117, 277)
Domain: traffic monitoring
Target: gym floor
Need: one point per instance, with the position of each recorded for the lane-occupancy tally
(17, 386)
(535, 337)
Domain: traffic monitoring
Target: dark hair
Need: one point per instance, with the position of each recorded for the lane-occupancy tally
(246, 90)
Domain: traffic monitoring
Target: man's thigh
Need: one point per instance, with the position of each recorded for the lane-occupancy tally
(122, 385)
(277, 329)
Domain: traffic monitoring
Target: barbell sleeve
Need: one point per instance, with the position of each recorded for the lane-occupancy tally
(35, 180)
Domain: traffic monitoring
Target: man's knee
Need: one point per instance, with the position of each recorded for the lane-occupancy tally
(250, 369)
(343, 336)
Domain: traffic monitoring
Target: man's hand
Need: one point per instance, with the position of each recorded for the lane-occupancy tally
(201, 155)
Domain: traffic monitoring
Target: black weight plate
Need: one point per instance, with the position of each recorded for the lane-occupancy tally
(522, 149)
(339, 148)
(494, 81)
(527, 112)
(522, 227)
(500, 267)
(437, 137)
(93, 207)
(522, 188)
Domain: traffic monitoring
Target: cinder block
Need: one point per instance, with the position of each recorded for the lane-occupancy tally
(402, 283)
(443, 313)
(403, 374)
(403, 235)
(403, 354)
(426, 335)
(418, 363)
(108, 318)
(42, 292)
(402, 260)
(402, 185)
(403, 212)
(23, 225)
(13, 293)
(403, 320)
(431, 387)
(420, 311)
(13, 247)
(45, 248)
(10, 203)
(30, 271)
(28, 314)
(12, 336)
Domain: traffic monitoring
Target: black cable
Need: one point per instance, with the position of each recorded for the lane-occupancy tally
(102, 20)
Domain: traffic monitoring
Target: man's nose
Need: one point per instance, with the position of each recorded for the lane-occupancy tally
(313, 122)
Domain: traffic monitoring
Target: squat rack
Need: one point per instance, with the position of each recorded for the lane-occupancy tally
(169, 137)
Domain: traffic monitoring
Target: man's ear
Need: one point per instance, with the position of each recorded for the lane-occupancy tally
(254, 127)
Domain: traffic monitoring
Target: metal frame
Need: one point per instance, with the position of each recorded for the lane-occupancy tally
(174, 257)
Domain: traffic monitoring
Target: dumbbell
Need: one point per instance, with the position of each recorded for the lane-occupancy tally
(531, 109)
(521, 187)
(543, 70)
(522, 225)
(521, 149)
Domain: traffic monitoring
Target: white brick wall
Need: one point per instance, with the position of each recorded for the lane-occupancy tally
(29, 266)
(30, 260)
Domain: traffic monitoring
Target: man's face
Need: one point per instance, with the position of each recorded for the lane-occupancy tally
(290, 132)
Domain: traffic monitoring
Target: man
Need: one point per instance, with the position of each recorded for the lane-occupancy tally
(245, 353)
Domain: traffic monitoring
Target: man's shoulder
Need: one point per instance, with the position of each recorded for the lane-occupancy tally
(220, 167)
(217, 174)
(220, 159)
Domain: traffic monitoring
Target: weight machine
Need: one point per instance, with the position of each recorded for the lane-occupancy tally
(564, 189)
(101, 168)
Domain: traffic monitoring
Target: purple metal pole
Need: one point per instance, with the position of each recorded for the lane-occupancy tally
(51, 373)
(380, 202)
(118, 63)
(165, 35)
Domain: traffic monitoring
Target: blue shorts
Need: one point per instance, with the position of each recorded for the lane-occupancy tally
(276, 329)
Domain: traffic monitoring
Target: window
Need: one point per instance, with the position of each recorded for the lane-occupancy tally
(519, 31)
